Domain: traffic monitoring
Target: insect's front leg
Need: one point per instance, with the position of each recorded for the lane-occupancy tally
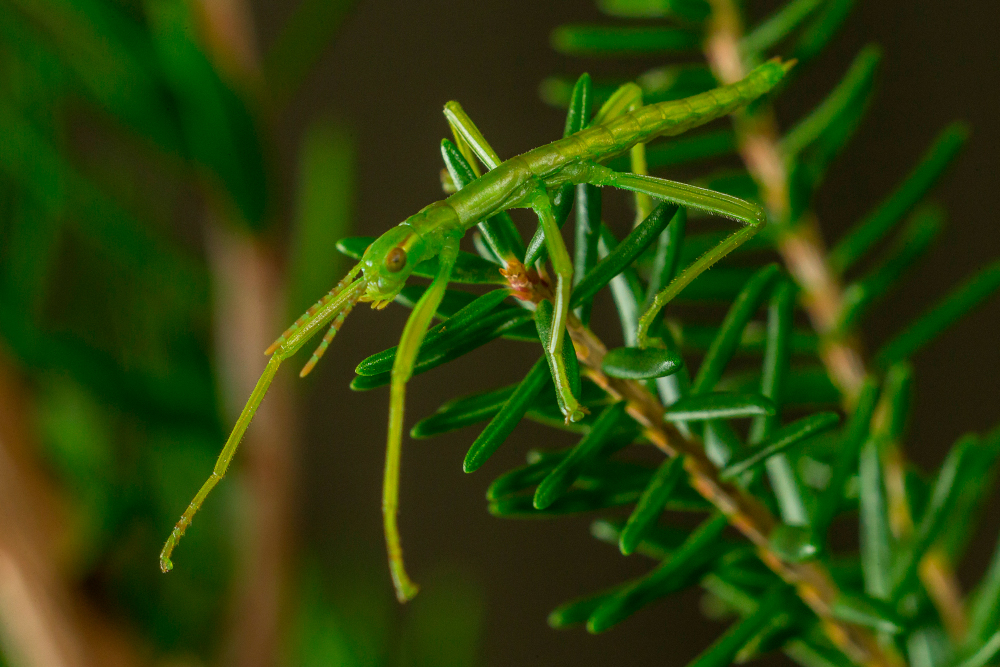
(748, 213)
(402, 370)
(563, 267)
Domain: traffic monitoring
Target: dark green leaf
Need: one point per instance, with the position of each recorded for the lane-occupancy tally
(683, 568)
(719, 405)
(477, 316)
(945, 313)
(462, 412)
(651, 504)
(984, 654)
(722, 652)
(698, 338)
(793, 434)
(579, 610)
(689, 10)
(866, 612)
(624, 254)
(807, 385)
(582, 40)
(916, 237)
(565, 473)
(984, 608)
(588, 233)
(776, 27)
(510, 414)
(631, 363)
(875, 535)
(820, 31)
(880, 222)
(725, 344)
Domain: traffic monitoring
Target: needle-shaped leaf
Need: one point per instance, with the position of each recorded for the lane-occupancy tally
(492, 327)
(725, 344)
(985, 653)
(499, 231)
(658, 542)
(699, 337)
(916, 237)
(807, 385)
(588, 234)
(821, 29)
(475, 316)
(984, 607)
(875, 535)
(946, 490)
(719, 405)
(502, 425)
(723, 651)
(795, 433)
(585, 40)
(469, 269)
(945, 313)
(854, 436)
(632, 363)
(565, 473)
(680, 570)
(867, 612)
(685, 149)
(776, 27)
(651, 504)
(689, 10)
(519, 479)
(461, 412)
(576, 612)
(853, 90)
(624, 254)
(869, 231)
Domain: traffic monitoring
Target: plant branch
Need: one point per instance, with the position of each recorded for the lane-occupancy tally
(800, 244)
(813, 583)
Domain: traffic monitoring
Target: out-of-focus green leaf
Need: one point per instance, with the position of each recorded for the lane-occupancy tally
(306, 34)
(821, 30)
(510, 414)
(220, 132)
(462, 412)
(945, 313)
(724, 650)
(793, 434)
(588, 234)
(324, 212)
(631, 363)
(866, 612)
(807, 385)
(445, 626)
(985, 654)
(651, 504)
(584, 40)
(984, 608)
(565, 473)
(724, 345)
(852, 91)
(916, 237)
(699, 337)
(776, 27)
(869, 231)
(719, 405)
(875, 537)
(689, 10)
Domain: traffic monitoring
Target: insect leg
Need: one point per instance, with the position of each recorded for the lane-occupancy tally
(402, 369)
(748, 213)
(469, 139)
(307, 325)
(563, 266)
(628, 98)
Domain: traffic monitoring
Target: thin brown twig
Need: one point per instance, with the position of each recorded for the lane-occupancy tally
(804, 252)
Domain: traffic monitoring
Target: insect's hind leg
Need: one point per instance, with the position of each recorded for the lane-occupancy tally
(469, 139)
(749, 214)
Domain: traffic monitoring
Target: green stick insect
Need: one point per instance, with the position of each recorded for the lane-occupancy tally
(529, 180)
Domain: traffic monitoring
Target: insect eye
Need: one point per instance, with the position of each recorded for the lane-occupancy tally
(395, 260)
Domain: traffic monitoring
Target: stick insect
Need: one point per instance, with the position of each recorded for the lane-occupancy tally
(529, 180)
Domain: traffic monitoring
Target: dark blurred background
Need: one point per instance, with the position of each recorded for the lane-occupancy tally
(488, 583)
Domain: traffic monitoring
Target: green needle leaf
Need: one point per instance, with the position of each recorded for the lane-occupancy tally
(819, 32)
(632, 363)
(986, 653)
(866, 612)
(579, 610)
(689, 10)
(875, 535)
(725, 344)
(776, 27)
(880, 222)
(720, 405)
(588, 234)
(722, 652)
(461, 412)
(793, 434)
(519, 479)
(476, 316)
(510, 414)
(651, 504)
(583, 40)
(624, 254)
(562, 477)
(984, 610)
(948, 311)
(682, 569)
(806, 385)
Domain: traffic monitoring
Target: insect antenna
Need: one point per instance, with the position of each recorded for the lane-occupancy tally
(334, 328)
(316, 307)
